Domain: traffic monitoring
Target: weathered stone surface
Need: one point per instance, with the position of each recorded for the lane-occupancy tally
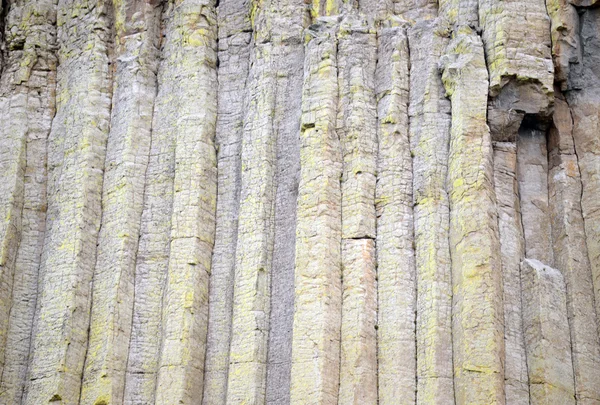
(512, 251)
(429, 114)
(584, 102)
(185, 301)
(280, 204)
(27, 106)
(416, 10)
(76, 151)
(356, 127)
(234, 55)
(396, 274)
(571, 255)
(565, 38)
(546, 334)
(532, 174)
(288, 111)
(128, 147)
(477, 321)
(521, 71)
(318, 284)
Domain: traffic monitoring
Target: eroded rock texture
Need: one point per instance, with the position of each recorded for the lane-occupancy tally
(323, 202)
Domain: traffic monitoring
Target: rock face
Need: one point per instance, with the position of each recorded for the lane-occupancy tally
(280, 202)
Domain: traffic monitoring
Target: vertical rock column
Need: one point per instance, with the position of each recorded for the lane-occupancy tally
(137, 37)
(318, 289)
(235, 34)
(429, 113)
(155, 228)
(27, 104)
(584, 100)
(289, 29)
(396, 274)
(76, 153)
(521, 72)
(512, 252)
(547, 334)
(565, 38)
(571, 255)
(254, 254)
(357, 129)
(532, 173)
(477, 316)
(185, 303)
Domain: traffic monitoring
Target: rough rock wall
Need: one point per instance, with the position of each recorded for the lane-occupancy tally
(300, 202)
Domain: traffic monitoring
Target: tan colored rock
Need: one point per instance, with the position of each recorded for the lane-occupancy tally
(318, 284)
(512, 252)
(429, 112)
(546, 334)
(565, 38)
(477, 307)
(396, 273)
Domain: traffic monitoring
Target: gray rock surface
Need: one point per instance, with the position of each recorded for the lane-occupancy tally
(299, 202)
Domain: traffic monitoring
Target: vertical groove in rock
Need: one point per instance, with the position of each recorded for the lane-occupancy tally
(318, 294)
(356, 127)
(521, 72)
(429, 113)
(137, 37)
(512, 252)
(287, 114)
(532, 174)
(185, 302)
(324, 8)
(584, 100)
(571, 256)
(235, 34)
(547, 334)
(76, 152)
(27, 104)
(155, 228)
(254, 253)
(477, 311)
(396, 274)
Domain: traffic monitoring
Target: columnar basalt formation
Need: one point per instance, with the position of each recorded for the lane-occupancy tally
(279, 202)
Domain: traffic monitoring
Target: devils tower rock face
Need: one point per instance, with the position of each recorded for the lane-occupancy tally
(300, 202)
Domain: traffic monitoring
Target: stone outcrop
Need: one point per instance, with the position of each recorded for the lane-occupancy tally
(299, 202)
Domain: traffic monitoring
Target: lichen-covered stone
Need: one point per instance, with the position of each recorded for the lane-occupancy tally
(429, 112)
(126, 162)
(27, 106)
(477, 321)
(318, 284)
(396, 273)
(512, 252)
(234, 35)
(521, 71)
(76, 152)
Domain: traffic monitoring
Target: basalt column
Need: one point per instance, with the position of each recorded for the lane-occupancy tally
(76, 152)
